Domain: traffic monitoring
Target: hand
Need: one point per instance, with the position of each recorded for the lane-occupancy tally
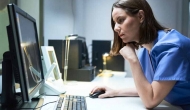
(108, 91)
(128, 51)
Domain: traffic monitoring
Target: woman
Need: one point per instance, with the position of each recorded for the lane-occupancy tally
(161, 70)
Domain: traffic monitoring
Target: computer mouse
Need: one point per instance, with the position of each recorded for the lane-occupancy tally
(96, 94)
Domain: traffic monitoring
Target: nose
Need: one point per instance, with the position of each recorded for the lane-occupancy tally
(117, 28)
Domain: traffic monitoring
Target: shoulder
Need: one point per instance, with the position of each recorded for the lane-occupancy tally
(173, 40)
(172, 37)
(164, 37)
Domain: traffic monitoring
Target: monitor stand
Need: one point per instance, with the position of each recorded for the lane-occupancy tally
(10, 100)
(53, 87)
(8, 95)
(36, 104)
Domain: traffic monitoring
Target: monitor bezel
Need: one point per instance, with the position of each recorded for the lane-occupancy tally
(16, 49)
(48, 64)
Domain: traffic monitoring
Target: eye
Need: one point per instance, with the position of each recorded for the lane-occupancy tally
(120, 20)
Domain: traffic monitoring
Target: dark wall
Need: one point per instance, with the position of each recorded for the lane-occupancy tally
(100, 47)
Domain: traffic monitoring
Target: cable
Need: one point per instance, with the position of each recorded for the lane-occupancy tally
(43, 94)
(40, 106)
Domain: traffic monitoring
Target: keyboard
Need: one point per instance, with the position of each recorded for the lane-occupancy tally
(71, 102)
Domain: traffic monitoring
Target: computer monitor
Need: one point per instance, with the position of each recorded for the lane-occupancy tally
(25, 54)
(84, 51)
(78, 53)
(50, 61)
(53, 78)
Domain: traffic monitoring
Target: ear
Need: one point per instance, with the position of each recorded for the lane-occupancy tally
(141, 15)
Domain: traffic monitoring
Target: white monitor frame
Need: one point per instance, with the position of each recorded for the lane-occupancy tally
(53, 78)
(50, 61)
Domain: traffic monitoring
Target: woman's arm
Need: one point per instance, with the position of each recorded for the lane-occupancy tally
(109, 92)
(127, 92)
(151, 94)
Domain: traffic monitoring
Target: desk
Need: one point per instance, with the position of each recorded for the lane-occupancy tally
(118, 81)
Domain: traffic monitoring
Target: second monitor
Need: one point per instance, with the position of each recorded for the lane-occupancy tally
(76, 56)
(78, 60)
(53, 77)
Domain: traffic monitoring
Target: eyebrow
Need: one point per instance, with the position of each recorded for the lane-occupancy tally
(117, 18)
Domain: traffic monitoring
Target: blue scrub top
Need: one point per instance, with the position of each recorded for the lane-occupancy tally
(169, 60)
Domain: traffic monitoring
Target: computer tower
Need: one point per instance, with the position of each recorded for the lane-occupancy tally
(75, 60)
(87, 73)
(99, 47)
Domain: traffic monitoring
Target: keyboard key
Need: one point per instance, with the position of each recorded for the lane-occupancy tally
(58, 108)
(61, 100)
(72, 102)
(59, 105)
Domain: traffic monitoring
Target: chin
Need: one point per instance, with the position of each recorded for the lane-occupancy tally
(125, 41)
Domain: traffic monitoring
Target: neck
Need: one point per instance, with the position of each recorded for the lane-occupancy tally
(148, 46)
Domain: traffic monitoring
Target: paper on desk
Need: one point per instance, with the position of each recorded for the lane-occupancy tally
(119, 103)
(79, 88)
(124, 103)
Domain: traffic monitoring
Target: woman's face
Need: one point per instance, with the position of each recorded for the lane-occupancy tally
(126, 26)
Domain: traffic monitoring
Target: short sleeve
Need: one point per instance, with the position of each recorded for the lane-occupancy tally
(170, 63)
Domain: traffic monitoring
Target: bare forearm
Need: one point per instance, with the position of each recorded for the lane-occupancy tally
(144, 88)
(127, 92)
(151, 94)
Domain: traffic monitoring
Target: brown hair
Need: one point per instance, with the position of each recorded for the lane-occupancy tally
(148, 29)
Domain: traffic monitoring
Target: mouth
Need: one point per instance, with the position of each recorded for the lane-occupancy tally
(121, 35)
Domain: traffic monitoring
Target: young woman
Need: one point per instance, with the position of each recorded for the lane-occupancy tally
(161, 70)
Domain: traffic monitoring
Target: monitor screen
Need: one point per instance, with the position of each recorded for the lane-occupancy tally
(24, 47)
(29, 50)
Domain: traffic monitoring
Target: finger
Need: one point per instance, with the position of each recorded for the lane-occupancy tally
(97, 89)
(94, 89)
(103, 95)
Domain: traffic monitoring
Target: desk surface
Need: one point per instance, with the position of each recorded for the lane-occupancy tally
(118, 103)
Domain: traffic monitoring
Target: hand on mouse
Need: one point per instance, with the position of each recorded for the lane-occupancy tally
(108, 91)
